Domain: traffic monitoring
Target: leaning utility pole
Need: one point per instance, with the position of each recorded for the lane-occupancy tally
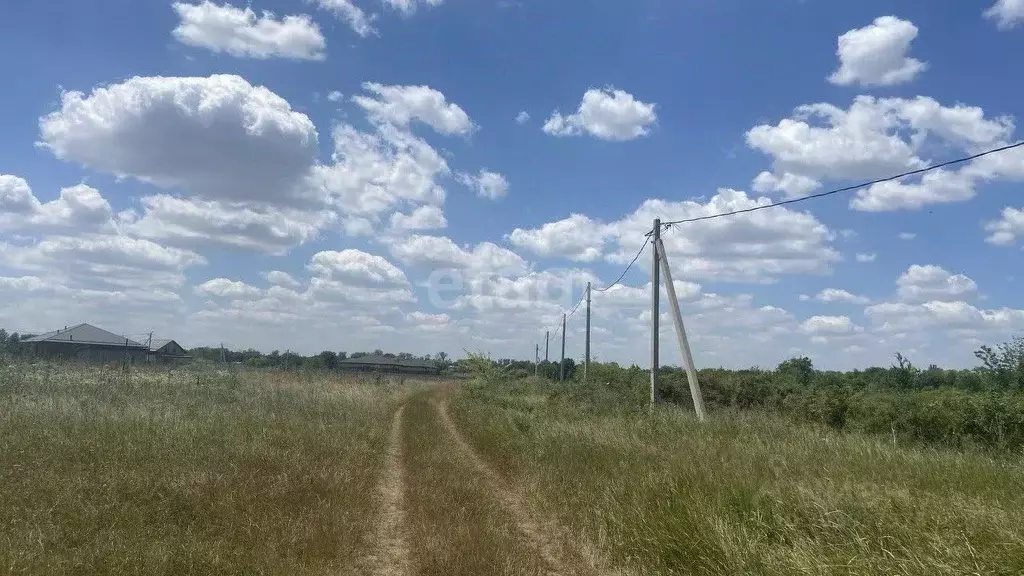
(655, 288)
(586, 357)
(561, 366)
(547, 341)
(684, 344)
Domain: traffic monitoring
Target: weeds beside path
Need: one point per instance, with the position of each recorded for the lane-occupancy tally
(746, 493)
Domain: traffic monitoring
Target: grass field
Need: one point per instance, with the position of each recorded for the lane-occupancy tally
(749, 493)
(186, 472)
(220, 472)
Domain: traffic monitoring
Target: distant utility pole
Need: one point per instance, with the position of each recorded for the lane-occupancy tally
(536, 360)
(561, 365)
(586, 357)
(149, 347)
(684, 344)
(655, 288)
(547, 339)
(223, 356)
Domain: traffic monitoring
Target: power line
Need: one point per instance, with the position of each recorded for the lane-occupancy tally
(556, 328)
(623, 275)
(606, 288)
(844, 189)
(577, 306)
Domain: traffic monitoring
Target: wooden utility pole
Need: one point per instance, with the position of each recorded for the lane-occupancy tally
(586, 357)
(684, 344)
(655, 290)
(561, 365)
(547, 341)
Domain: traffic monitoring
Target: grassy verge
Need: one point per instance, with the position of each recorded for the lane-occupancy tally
(186, 472)
(749, 493)
(456, 524)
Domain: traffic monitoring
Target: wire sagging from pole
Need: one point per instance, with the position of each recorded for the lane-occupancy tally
(623, 275)
(666, 224)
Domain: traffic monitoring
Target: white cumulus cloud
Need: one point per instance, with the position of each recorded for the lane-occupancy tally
(1006, 230)
(576, 238)
(876, 55)
(240, 32)
(225, 288)
(409, 6)
(924, 283)
(838, 295)
(828, 325)
(360, 22)
(218, 137)
(358, 268)
(79, 207)
(283, 279)
(400, 105)
(756, 247)
(442, 252)
(196, 222)
(793, 185)
(486, 184)
(1006, 13)
(372, 172)
(422, 218)
(607, 114)
(877, 138)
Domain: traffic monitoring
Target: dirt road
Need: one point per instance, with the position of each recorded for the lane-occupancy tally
(444, 510)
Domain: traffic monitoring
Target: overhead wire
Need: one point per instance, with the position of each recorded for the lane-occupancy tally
(668, 224)
(623, 275)
(843, 189)
(610, 286)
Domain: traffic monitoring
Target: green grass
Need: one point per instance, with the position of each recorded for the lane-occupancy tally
(456, 524)
(198, 471)
(748, 492)
(186, 472)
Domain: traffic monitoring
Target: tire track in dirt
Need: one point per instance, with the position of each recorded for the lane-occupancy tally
(392, 544)
(543, 534)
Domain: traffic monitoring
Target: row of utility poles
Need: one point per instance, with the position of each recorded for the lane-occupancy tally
(659, 266)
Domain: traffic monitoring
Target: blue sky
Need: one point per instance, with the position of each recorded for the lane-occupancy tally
(163, 163)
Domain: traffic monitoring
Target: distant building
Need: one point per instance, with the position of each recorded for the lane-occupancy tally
(87, 342)
(389, 365)
(161, 350)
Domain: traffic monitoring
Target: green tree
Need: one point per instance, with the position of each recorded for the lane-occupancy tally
(1005, 364)
(800, 368)
(328, 359)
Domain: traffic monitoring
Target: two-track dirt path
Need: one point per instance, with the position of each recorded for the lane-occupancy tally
(391, 556)
(444, 510)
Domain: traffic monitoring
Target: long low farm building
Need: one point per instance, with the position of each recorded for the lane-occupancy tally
(389, 365)
(87, 342)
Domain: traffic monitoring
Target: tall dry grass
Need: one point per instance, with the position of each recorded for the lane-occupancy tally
(455, 522)
(188, 471)
(748, 493)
